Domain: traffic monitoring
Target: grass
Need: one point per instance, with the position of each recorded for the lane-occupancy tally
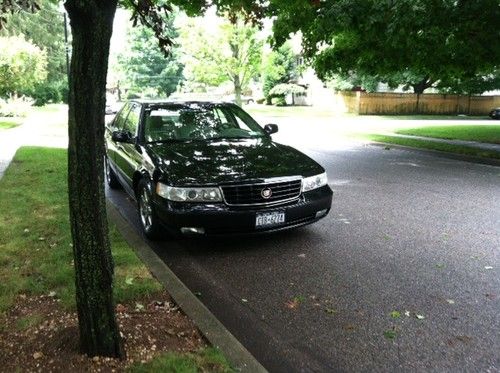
(430, 117)
(415, 143)
(7, 122)
(35, 243)
(207, 360)
(481, 133)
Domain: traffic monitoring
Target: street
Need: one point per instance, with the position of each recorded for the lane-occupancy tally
(403, 274)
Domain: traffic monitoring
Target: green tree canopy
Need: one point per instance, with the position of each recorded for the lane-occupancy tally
(232, 52)
(279, 67)
(419, 43)
(22, 65)
(146, 67)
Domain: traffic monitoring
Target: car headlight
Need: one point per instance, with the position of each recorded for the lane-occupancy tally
(208, 194)
(314, 182)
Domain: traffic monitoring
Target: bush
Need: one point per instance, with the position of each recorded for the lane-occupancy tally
(15, 106)
(278, 101)
(46, 93)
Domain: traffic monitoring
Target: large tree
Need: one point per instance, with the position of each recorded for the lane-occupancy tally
(231, 53)
(417, 43)
(91, 24)
(146, 67)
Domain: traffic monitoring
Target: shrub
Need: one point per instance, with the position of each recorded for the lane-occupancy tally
(46, 93)
(15, 106)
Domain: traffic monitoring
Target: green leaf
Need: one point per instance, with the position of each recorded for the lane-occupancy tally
(395, 314)
(390, 334)
(129, 280)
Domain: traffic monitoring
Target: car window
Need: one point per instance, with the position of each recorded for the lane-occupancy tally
(132, 122)
(120, 117)
(184, 122)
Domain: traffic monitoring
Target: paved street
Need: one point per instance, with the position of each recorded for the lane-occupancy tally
(408, 232)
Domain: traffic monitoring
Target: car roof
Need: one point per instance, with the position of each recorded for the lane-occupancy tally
(179, 102)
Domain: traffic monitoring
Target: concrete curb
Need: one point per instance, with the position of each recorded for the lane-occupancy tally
(237, 355)
(439, 153)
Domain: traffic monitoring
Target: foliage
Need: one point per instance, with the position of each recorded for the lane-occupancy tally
(145, 66)
(279, 67)
(15, 106)
(49, 92)
(22, 65)
(45, 29)
(231, 53)
(286, 89)
(396, 41)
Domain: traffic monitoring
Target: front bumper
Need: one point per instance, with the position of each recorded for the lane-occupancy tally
(220, 219)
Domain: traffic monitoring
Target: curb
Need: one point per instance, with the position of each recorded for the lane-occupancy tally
(237, 355)
(455, 156)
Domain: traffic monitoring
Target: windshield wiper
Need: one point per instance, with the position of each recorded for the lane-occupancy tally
(167, 141)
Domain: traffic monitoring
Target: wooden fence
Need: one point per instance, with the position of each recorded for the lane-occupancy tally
(411, 103)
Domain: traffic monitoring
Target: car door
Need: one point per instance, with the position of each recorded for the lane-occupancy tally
(115, 125)
(128, 156)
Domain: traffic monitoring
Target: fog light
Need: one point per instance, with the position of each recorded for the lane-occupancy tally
(192, 230)
(321, 213)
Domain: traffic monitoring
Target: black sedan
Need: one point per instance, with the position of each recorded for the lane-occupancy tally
(209, 168)
(495, 113)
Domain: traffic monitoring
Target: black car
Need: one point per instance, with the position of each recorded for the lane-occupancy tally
(495, 113)
(209, 168)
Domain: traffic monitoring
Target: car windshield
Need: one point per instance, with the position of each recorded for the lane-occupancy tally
(184, 122)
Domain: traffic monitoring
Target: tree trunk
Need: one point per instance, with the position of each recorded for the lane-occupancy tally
(91, 24)
(422, 85)
(237, 90)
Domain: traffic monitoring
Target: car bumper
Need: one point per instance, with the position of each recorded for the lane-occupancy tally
(220, 219)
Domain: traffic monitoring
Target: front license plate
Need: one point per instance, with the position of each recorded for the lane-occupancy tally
(268, 219)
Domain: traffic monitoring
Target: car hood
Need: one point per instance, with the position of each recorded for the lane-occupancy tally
(226, 161)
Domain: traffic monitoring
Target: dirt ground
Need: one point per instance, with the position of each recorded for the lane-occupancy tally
(37, 335)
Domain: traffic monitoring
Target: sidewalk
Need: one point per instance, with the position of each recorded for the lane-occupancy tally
(471, 144)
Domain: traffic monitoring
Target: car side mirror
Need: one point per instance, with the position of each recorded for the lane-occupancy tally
(121, 136)
(270, 128)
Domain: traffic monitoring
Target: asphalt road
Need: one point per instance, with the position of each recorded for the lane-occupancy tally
(408, 231)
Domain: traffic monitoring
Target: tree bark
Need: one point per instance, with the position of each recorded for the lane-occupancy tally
(422, 85)
(91, 24)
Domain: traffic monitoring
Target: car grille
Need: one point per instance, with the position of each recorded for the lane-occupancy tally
(252, 194)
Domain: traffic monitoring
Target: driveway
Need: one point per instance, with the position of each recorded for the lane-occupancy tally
(403, 274)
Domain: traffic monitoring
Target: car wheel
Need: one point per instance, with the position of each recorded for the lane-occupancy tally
(111, 177)
(149, 220)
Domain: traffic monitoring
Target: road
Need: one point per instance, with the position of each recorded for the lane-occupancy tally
(409, 232)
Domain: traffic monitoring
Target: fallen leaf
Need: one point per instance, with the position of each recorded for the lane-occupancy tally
(488, 267)
(440, 266)
(139, 307)
(329, 310)
(37, 355)
(390, 334)
(41, 238)
(52, 294)
(197, 293)
(244, 300)
(301, 255)
(407, 313)
(129, 280)
(395, 314)
(420, 317)
(387, 148)
(120, 308)
(26, 230)
(450, 301)
(292, 304)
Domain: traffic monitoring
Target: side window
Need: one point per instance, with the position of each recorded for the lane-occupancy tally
(132, 121)
(120, 118)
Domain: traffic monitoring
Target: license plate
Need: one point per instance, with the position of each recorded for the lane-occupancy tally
(268, 219)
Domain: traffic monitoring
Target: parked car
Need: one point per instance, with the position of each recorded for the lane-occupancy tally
(247, 100)
(495, 113)
(210, 168)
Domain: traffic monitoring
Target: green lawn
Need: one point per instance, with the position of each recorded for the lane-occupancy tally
(7, 122)
(208, 360)
(481, 133)
(35, 243)
(415, 143)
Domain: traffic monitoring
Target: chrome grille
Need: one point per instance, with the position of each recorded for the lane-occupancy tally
(252, 194)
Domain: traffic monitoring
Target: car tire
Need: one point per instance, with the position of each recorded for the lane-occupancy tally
(111, 177)
(147, 215)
